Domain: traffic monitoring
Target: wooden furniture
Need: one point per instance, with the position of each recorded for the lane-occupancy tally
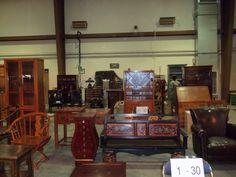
(141, 136)
(31, 129)
(2, 86)
(100, 114)
(114, 95)
(64, 116)
(68, 86)
(93, 93)
(67, 82)
(24, 84)
(85, 139)
(115, 169)
(8, 115)
(139, 90)
(15, 155)
(191, 97)
(198, 76)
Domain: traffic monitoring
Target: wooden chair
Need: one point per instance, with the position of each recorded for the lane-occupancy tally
(32, 129)
(7, 116)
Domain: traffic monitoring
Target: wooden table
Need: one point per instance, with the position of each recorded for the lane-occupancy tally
(116, 169)
(64, 116)
(15, 155)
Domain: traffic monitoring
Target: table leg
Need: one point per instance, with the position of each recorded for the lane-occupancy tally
(65, 132)
(2, 167)
(56, 132)
(30, 166)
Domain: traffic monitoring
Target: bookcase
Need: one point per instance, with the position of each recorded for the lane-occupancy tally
(198, 76)
(139, 90)
(24, 84)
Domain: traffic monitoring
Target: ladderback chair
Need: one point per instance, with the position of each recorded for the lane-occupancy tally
(214, 138)
(31, 129)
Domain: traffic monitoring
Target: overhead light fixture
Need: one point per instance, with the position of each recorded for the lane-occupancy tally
(167, 20)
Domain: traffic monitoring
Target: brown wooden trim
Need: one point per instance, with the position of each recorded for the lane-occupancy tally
(133, 34)
(227, 22)
(101, 35)
(27, 38)
(60, 35)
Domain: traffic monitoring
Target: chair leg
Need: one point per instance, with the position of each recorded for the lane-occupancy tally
(42, 158)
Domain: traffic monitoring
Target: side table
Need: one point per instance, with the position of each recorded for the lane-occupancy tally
(115, 169)
(85, 139)
(15, 155)
(64, 117)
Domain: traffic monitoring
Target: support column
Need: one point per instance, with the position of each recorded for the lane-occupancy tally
(60, 34)
(227, 20)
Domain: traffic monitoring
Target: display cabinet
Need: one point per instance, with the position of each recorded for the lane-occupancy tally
(139, 90)
(198, 76)
(94, 96)
(67, 85)
(24, 84)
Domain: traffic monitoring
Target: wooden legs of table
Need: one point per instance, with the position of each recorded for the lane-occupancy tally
(15, 161)
(56, 136)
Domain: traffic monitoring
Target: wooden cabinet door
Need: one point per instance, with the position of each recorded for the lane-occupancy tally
(24, 84)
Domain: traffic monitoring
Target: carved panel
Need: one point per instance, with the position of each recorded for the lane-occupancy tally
(162, 129)
(116, 129)
(141, 129)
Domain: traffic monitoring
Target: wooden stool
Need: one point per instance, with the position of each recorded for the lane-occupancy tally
(15, 155)
(115, 169)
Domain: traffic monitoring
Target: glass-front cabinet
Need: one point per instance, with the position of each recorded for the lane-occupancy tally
(24, 84)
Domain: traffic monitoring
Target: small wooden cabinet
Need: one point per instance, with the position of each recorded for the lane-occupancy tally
(24, 84)
(198, 76)
(114, 95)
(93, 93)
(139, 90)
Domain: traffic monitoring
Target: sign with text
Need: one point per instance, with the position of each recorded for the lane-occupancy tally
(187, 167)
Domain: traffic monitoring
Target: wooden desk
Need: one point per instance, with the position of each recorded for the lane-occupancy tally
(117, 169)
(64, 116)
(15, 155)
(85, 139)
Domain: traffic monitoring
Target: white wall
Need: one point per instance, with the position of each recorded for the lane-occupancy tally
(33, 17)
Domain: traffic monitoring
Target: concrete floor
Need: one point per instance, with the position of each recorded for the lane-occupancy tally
(61, 162)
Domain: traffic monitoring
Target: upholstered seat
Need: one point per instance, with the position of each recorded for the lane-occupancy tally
(213, 137)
